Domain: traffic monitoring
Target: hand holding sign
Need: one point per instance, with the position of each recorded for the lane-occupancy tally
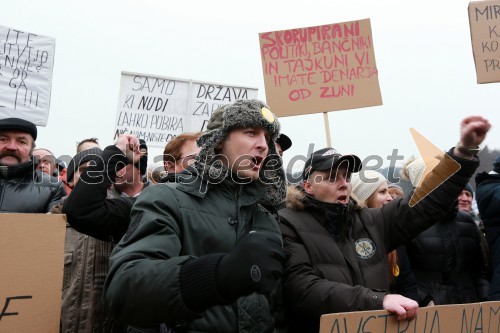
(405, 308)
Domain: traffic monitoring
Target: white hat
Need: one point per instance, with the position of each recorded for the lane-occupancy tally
(362, 189)
(415, 170)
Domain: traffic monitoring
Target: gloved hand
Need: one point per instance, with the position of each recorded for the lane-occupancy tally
(254, 265)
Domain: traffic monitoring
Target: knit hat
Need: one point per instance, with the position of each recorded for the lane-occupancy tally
(329, 159)
(362, 189)
(496, 165)
(414, 169)
(469, 189)
(80, 158)
(142, 164)
(61, 165)
(17, 124)
(393, 185)
(242, 114)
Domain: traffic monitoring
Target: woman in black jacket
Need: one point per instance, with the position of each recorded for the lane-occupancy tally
(374, 193)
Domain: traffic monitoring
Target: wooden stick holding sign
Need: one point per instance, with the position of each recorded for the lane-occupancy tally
(327, 129)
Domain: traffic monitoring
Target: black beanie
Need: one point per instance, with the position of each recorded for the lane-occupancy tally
(469, 188)
(142, 165)
(17, 124)
(80, 158)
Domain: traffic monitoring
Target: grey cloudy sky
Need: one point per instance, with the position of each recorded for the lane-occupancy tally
(422, 48)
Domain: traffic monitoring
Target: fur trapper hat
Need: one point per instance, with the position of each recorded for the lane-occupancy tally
(243, 114)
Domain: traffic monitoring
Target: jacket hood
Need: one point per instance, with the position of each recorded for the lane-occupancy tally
(295, 198)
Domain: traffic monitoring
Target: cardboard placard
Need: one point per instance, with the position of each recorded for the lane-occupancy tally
(484, 19)
(464, 318)
(26, 65)
(156, 108)
(32, 264)
(320, 69)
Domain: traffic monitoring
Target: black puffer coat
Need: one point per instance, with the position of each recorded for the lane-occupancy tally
(337, 258)
(448, 262)
(26, 190)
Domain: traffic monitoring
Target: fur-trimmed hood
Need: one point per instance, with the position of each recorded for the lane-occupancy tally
(295, 198)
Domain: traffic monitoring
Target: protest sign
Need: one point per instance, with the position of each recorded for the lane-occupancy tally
(26, 64)
(156, 108)
(484, 19)
(320, 69)
(465, 318)
(32, 264)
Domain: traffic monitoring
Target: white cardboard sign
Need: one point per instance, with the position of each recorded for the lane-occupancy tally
(26, 65)
(156, 108)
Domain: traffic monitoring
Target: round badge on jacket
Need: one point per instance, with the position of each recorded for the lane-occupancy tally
(365, 248)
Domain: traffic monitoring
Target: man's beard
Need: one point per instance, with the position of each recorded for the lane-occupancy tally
(6, 154)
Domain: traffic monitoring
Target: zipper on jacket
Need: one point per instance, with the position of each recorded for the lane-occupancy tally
(3, 185)
(353, 272)
(237, 196)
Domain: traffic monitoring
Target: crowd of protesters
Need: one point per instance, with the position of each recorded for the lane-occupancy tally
(214, 238)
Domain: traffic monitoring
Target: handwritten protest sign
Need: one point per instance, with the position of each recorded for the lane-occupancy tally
(156, 108)
(320, 69)
(484, 18)
(466, 318)
(26, 64)
(32, 263)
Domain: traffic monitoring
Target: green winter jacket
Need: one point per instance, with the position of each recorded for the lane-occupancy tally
(170, 224)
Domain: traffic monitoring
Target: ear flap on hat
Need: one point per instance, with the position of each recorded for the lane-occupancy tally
(241, 114)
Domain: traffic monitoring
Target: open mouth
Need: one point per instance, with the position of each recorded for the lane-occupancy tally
(343, 199)
(257, 161)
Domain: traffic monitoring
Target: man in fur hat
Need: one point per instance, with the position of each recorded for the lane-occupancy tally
(24, 189)
(203, 254)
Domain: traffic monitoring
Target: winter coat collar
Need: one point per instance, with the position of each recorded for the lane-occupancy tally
(334, 217)
(190, 182)
(18, 170)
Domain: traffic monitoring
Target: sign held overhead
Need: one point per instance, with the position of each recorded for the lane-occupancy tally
(156, 108)
(26, 65)
(320, 69)
(484, 19)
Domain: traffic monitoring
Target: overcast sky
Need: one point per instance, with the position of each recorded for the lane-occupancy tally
(422, 48)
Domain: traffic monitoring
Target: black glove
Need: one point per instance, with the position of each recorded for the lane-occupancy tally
(254, 265)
